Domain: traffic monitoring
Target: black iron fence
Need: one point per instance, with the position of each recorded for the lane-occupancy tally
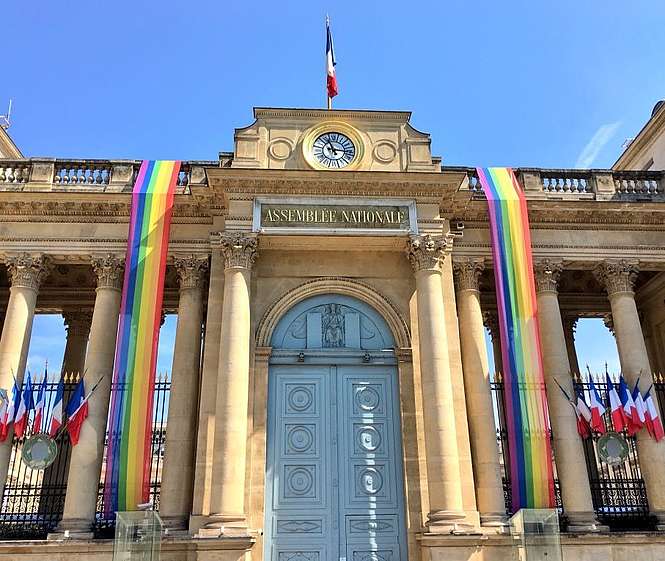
(33, 500)
(618, 491)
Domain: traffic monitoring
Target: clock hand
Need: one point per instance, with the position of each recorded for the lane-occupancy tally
(332, 148)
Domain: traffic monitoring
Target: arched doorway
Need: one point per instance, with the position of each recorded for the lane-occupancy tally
(334, 483)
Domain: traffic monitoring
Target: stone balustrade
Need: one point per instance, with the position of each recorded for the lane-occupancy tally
(580, 184)
(41, 174)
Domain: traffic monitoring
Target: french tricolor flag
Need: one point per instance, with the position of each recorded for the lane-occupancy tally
(331, 78)
(597, 408)
(77, 412)
(629, 409)
(25, 405)
(619, 420)
(7, 412)
(56, 415)
(652, 419)
(40, 405)
(639, 404)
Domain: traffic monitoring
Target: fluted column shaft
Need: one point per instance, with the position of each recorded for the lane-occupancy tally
(485, 451)
(568, 446)
(86, 461)
(26, 274)
(426, 253)
(619, 278)
(78, 324)
(178, 473)
(227, 507)
(569, 327)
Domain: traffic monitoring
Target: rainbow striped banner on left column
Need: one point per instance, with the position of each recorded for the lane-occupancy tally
(527, 419)
(128, 459)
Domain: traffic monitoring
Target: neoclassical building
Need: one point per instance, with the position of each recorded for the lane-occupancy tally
(330, 395)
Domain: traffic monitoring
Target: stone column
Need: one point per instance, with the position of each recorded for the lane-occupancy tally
(86, 461)
(426, 254)
(26, 274)
(178, 473)
(491, 321)
(227, 504)
(485, 451)
(569, 326)
(206, 410)
(619, 277)
(568, 446)
(77, 323)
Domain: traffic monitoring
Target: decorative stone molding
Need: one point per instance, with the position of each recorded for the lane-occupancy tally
(608, 320)
(239, 249)
(334, 285)
(491, 322)
(617, 276)
(77, 322)
(192, 271)
(546, 274)
(110, 270)
(427, 253)
(467, 273)
(569, 324)
(28, 271)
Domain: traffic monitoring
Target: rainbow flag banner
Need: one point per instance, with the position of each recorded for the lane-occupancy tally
(127, 474)
(527, 418)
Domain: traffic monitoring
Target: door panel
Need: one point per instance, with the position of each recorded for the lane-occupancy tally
(369, 457)
(334, 487)
(299, 472)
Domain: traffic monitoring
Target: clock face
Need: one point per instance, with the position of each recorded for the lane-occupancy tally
(333, 150)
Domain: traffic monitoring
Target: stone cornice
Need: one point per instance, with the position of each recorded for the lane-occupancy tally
(241, 184)
(647, 135)
(560, 214)
(344, 114)
(97, 207)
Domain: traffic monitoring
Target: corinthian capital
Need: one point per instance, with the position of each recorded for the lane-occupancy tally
(617, 276)
(28, 271)
(546, 274)
(428, 252)
(110, 270)
(191, 271)
(77, 322)
(467, 273)
(239, 250)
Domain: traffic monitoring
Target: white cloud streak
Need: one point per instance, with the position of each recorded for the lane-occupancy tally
(598, 141)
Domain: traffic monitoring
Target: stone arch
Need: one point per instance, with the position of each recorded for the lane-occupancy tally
(334, 285)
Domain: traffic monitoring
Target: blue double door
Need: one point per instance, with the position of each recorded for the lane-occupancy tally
(334, 486)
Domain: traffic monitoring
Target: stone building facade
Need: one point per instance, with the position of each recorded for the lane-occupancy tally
(330, 389)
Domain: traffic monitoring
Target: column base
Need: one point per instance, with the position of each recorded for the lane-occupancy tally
(218, 525)
(175, 526)
(72, 529)
(584, 523)
(449, 522)
(496, 522)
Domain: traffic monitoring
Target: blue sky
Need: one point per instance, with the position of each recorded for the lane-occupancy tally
(496, 83)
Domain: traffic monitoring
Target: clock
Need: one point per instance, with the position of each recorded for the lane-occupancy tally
(334, 150)
(333, 145)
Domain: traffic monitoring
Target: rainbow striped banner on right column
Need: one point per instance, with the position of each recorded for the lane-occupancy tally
(531, 474)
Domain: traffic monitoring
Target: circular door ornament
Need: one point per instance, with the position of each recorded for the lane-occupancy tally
(612, 448)
(39, 451)
(333, 145)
